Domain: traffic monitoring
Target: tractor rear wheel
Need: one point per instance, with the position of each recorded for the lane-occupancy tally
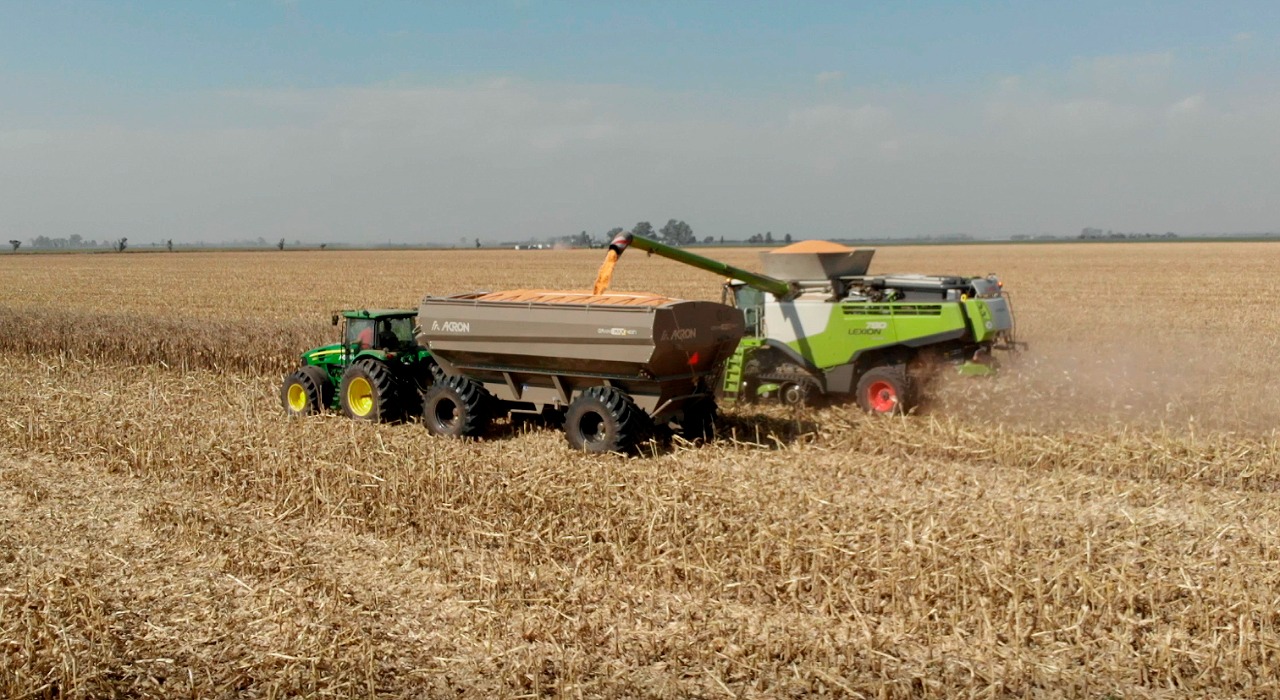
(699, 420)
(456, 407)
(604, 419)
(369, 392)
(887, 390)
(306, 391)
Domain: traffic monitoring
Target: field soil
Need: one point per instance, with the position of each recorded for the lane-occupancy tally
(1100, 520)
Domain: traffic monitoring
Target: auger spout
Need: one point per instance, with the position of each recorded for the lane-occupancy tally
(776, 287)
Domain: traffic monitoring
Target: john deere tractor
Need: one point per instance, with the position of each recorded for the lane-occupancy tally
(818, 325)
(377, 372)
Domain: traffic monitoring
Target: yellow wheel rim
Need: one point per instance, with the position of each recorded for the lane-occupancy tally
(297, 398)
(360, 396)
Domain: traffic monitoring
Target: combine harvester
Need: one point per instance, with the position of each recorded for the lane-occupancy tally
(818, 325)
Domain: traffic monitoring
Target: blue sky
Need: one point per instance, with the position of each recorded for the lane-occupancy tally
(421, 121)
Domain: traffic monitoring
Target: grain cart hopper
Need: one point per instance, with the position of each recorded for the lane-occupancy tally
(377, 372)
(611, 366)
(817, 324)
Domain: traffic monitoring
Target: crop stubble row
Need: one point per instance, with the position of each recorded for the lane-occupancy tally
(172, 533)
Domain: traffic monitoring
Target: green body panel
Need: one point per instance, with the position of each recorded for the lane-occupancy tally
(854, 327)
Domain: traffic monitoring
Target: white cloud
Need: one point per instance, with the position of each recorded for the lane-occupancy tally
(1031, 153)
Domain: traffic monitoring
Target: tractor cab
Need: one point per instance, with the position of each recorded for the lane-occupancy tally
(386, 331)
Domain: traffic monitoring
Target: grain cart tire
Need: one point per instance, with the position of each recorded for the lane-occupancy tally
(456, 407)
(604, 419)
(887, 390)
(368, 392)
(306, 391)
(699, 420)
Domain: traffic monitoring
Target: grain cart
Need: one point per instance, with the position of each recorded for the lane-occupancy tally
(610, 367)
(817, 324)
(377, 372)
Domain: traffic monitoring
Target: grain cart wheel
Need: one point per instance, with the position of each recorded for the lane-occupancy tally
(306, 391)
(887, 390)
(604, 419)
(368, 392)
(456, 407)
(699, 420)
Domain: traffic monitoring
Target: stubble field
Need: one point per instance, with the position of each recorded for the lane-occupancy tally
(1101, 520)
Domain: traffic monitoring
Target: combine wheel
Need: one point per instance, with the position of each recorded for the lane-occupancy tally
(794, 393)
(887, 390)
(456, 407)
(368, 392)
(604, 419)
(699, 420)
(306, 391)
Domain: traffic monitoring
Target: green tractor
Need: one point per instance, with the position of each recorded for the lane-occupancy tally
(818, 325)
(377, 372)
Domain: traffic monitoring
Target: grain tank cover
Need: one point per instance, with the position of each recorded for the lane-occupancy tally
(617, 335)
(816, 260)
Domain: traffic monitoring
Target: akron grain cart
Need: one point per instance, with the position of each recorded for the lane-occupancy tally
(818, 324)
(610, 366)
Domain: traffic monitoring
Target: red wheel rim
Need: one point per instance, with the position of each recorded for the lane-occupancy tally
(881, 397)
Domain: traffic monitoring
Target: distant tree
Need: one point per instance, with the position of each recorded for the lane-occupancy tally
(262, 241)
(787, 239)
(677, 233)
(16, 244)
(76, 240)
(121, 244)
(323, 246)
(709, 240)
(644, 228)
(477, 242)
(280, 244)
(768, 237)
(169, 244)
(722, 240)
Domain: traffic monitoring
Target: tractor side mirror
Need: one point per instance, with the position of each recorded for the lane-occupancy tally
(334, 320)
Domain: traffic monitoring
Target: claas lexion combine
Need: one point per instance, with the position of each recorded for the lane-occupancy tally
(610, 368)
(818, 325)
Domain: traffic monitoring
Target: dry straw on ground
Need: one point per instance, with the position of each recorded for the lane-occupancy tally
(1099, 521)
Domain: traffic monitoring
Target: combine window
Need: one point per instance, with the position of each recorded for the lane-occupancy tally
(751, 302)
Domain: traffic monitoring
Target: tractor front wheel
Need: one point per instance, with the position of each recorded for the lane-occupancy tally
(306, 391)
(456, 407)
(604, 419)
(368, 392)
(887, 390)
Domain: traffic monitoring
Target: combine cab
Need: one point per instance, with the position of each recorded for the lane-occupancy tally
(377, 372)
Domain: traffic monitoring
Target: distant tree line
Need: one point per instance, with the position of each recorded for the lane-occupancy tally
(1091, 234)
